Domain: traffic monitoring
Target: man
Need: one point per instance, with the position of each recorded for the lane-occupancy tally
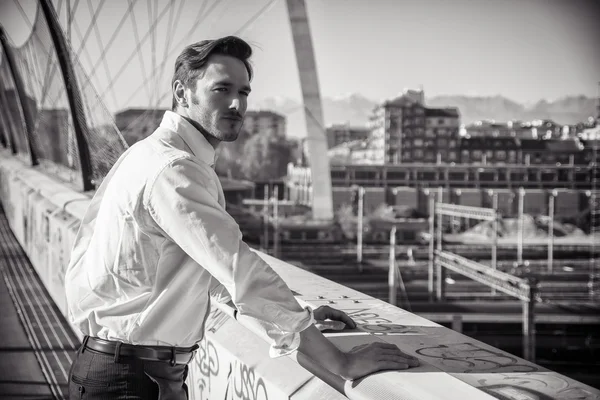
(156, 243)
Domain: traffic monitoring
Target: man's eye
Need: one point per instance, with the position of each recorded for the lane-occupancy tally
(221, 89)
(245, 93)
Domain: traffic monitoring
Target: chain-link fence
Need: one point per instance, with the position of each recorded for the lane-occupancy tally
(53, 136)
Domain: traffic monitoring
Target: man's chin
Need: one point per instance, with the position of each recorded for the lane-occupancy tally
(228, 136)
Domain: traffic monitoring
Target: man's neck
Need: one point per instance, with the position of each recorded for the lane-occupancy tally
(213, 141)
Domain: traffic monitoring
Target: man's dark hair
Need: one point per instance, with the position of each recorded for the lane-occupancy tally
(190, 63)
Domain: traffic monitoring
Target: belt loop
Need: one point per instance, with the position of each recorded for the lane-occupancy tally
(173, 357)
(84, 343)
(117, 352)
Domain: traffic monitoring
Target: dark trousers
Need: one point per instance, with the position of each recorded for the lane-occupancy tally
(100, 376)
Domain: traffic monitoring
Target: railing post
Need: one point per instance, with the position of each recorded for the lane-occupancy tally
(551, 231)
(276, 221)
(393, 289)
(441, 271)
(529, 321)
(73, 94)
(265, 213)
(520, 223)
(431, 271)
(28, 113)
(359, 228)
(495, 235)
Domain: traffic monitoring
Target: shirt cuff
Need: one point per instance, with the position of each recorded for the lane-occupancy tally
(285, 343)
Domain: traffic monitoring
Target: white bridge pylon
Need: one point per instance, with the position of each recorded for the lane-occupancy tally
(322, 203)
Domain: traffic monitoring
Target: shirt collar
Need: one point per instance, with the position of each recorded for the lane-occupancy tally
(190, 135)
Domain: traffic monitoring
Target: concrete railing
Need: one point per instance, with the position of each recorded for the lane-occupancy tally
(233, 358)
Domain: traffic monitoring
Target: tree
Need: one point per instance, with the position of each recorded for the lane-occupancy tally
(265, 157)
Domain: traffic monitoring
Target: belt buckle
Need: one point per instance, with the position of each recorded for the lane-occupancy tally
(173, 361)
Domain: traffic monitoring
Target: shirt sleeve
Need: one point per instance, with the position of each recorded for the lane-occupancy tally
(183, 202)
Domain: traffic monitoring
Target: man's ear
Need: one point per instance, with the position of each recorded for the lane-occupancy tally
(179, 93)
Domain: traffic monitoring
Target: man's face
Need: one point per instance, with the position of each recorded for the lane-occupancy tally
(219, 102)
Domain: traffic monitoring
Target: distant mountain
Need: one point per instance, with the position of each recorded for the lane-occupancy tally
(355, 109)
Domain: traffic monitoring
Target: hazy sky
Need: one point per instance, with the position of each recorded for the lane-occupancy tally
(522, 49)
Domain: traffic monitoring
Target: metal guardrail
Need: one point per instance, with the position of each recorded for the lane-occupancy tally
(502, 281)
(455, 210)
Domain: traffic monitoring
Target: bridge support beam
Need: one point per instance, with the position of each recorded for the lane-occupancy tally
(28, 113)
(73, 94)
(322, 203)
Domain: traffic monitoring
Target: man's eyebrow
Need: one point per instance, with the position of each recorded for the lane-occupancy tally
(229, 84)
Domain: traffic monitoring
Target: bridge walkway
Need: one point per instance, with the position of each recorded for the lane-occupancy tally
(37, 345)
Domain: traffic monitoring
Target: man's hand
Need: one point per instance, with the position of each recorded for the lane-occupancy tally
(338, 319)
(368, 358)
(364, 359)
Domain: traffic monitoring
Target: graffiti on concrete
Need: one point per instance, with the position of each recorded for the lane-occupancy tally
(365, 316)
(388, 329)
(471, 357)
(207, 363)
(538, 386)
(215, 320)
(246, 385)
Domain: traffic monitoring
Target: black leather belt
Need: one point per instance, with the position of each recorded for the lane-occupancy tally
(172, 355)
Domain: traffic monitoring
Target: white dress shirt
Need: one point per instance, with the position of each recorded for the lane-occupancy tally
(156, 243)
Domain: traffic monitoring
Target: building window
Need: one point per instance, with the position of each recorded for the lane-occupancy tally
(465, 156)
(476, 155)
(452, 156)
(418, 143)
(429, 143)
(440, 121)
(429, 155)
(452, 144)
(489, 155)
(442, 142)
(512, 157)
(500, 155)
(418, 154)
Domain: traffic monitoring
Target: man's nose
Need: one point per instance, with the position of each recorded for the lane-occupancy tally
(235, 104)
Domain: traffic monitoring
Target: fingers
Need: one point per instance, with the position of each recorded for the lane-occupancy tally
(409, 362)
(388, 351)
(391, 364)
(325, 312)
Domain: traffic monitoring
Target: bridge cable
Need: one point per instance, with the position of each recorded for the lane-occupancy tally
(70, 20)
(57, 99)
(153, 39)
(78, 53)
(126, 63)
(49, 65)
(101, 46)
(149, 9)
(137, 43)
(198, 19)
(263, 10)
(137, 49)
(111, 40)
(253, 19)
(170, 33)
(89, 29)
